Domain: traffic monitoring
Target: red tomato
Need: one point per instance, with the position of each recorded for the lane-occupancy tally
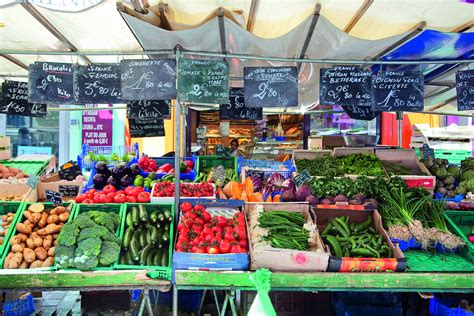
(128, 189)
(87, 201)
(243, 243)
(132, 199)
(152, 165)
(199, 250)
(199, 207)
(213, 250)
(200, 221)
(96, 199)
(224, 246)
(240, 232)
(108, 188)
(221, 221)
(206, 216)
(134, 192)
(143, 197)
(229, 237)
(111, 195)
(189, 163)
(120, 192)
(186, 207)
(80, 198)
(120, 198)
(235, 249)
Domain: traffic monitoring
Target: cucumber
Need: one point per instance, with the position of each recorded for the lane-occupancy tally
(161, 217)
(154, 235)
(127, 238)
(143, 214)
(148, 236)
(164, 259)
(166, 227)
(134, 250)
(168, 215)
(154, 217)
(128, 258)
(142, 239)
(165, 236)
(135, 216)
(336, 248)
(129, 219)
(144, 254)
(149, 259)
(157, 257)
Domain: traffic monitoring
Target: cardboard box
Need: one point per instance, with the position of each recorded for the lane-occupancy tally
(326, 142)
(219, 262)
(60, 186)
(349, 264)
(409, 159)
(344, 151)
(277, 259)
(29, 194)
(4, 148)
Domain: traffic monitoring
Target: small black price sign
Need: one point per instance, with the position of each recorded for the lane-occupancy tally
(54, 197)
(69, 190)
(235, 108)
(50, 83)
(302, 178)
(255, 173)
(149, 110)
(465, 90)
(69, 171)
(427, 152)
(146, 128)
(15, 100)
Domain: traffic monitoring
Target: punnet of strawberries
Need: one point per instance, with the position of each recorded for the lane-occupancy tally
(200, 232)
(166, 189)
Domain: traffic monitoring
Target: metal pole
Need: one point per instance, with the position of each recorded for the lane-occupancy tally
(177, 138)
(175, 300)
(183, 124)
(399, 117)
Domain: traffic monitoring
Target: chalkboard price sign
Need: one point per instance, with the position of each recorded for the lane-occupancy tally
(68, 190)
(398, 91)
(70, 173)
(53, 196)
(235, 108)
(465, 90)
(271, 87)
(346, 86)
(15, 100)
(203, 81)
(360, 112)
(97, 83)
(50, 83)
(149, 110)
(148, 79)
(146, 128)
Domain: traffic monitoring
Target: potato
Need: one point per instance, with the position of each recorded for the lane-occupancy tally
(52, 219)
(51, 252)
(10, 218)
(36, 264)
(13, 264)
(34, 234)
(55, 243)
(35, 218)
(38, 241)
(30, 244)
(29, 224)
(41, 253)
(7, 260)
(36, 208)
(63, 217)
(17, 257)
(29, 255)
(4, 218)
(58, 210)
(49, 262)
(47, 241)
(55, 236)
(22, 236)
(17, 248)
(43, 221)
(22, 228)
(24, 265)
(15, 240)
(49, 230)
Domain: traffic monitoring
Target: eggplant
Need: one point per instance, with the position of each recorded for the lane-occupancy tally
(126, 180)
(100, 181)
(101, 167)
(119, 170)
(135, 170)
(114, 182)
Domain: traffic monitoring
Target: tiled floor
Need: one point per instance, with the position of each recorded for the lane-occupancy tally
(58, 303)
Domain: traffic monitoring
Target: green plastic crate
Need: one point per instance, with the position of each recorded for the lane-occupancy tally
(160, 272)
(453, 156)
(461, 223)
(425, 261)
(19, 218)
(112, 207)
(28, 167)
(10, 207)
(207, 162)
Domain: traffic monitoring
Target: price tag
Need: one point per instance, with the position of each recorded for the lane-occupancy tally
(69, 171)
(69, 190)
(32, 181)
(54, 197)
(302, 178)
(255, 173)
(427, 152)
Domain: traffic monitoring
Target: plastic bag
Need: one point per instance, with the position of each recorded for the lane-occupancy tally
(262, 305)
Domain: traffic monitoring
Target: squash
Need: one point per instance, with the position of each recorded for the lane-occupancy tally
(277, 198)
(248, 184)
(233, 190)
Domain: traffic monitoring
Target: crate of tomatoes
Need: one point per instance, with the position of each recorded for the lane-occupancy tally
(109, 194)
(212, 235)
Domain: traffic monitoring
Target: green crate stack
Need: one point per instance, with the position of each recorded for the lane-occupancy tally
(461, 224)
(428, 261)
(207, 162)
(162, 272)
(115, 208)
(10, 207)
(28, 167)
(19, 219)
(453, 156)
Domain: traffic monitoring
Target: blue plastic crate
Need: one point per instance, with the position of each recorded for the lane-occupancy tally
(406, 244)
(458, 198)
(164, 160)
(268, 164)
(447, 307)
(371, 298)
(340, 308)
(21, 307)
(105, 150)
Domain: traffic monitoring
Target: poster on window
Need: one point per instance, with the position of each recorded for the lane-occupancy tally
(97, 126)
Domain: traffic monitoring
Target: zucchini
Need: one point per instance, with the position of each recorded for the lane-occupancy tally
(166, 227)
(154, 235)
(164, 259)
(128, 258)
(161, 217)
(143, 214)
(129, 219)
(135, 216)
(144, 254)
(134, 250)
(149, 259)
(157, 257)
(148, 236)
(165, 236)
(142, 239)
(136, 234)
(154, 217)
(127, 237)
(332, 241)
(168, 215)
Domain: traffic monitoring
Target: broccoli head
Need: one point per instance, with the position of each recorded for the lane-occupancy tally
(86, 262)
(467, 174)
(115, 219)
(467, 163)
(89, 247)
(441, 173)
(93, 231)
(454, 171)
(102, 218)
(83, 221)
(68, 235)
(109, 253)
(64, 256)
